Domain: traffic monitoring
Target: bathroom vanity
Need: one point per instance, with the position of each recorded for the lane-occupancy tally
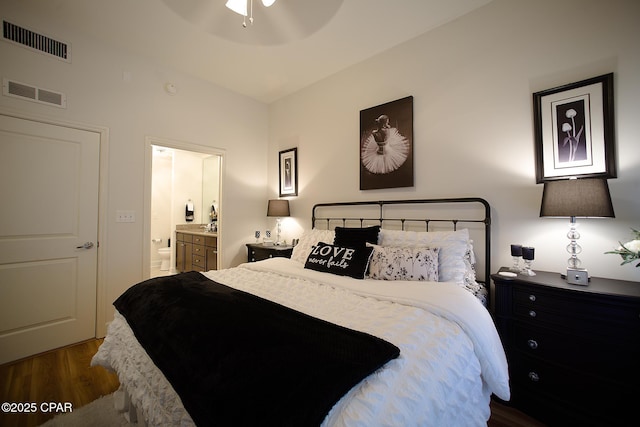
(196, 250)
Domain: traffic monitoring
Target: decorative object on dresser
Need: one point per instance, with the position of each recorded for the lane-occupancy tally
(574, 130)
(588, 198)
(630, 251)
(528, 254)
(573, 351)
(278, 208)
(516, 254)
(258, 252)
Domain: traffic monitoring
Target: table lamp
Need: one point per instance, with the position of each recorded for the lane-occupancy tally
(278, 208)
(585, 197)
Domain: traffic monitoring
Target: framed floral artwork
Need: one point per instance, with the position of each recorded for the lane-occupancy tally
(289, 172)
(574, 130)
(386, 145)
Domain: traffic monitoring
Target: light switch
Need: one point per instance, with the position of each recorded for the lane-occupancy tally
(125, 216)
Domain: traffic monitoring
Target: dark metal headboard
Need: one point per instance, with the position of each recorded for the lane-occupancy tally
(408, 214)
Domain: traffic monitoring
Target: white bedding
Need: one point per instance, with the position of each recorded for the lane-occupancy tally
(451, 358)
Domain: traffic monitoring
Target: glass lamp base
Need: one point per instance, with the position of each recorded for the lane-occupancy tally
(527, 271)
(516, 264)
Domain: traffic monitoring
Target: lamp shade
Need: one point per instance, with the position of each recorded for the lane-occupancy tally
(278, 208)
(587, 197)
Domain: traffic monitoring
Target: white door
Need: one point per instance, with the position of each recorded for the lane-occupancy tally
(48, 236)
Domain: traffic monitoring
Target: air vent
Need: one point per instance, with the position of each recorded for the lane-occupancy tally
(33, 93)
(32, 40)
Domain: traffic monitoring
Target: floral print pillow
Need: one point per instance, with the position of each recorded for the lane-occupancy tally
(400, 263)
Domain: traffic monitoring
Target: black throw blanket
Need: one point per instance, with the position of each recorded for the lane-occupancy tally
(239, 360)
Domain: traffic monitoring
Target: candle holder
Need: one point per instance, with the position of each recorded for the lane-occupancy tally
(516, 253)
(257, 235)
(528, 255)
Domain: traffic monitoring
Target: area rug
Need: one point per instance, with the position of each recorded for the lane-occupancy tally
(99, 413)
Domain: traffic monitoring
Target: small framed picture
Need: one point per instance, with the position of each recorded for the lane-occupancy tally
(289, 172)
(574, 130)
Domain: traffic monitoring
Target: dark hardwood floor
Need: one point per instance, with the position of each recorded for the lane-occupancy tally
(62, 375)
(65, 375)
(504, 416)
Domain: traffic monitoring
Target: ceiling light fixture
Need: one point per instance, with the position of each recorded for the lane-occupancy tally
(242, 6)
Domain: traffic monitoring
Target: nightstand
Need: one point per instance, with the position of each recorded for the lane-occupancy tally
(573, 351)
(258, 251)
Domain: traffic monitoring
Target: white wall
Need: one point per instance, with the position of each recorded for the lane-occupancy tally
(161, 197)
(472, 81)
(187, 186)
(125, 93)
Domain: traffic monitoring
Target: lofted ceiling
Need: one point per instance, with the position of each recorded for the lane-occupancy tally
(290, 45)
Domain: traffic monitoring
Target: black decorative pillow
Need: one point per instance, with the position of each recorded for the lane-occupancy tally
(356, 237)
(352, 262)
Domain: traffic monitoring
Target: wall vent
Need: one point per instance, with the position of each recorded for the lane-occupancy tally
(38, 42)
(33, 93)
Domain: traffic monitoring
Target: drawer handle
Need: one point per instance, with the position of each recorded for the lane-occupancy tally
(532, 313)
(533, 344)
(534, 377)
(532, 298)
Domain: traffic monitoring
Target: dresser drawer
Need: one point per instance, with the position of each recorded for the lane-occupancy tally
(184, 237)
(198, 257)
(572, 390)
(597, 315)
(259, 252)
(198, 250)
(616, 360)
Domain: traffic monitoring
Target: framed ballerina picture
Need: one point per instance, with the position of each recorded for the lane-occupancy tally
(386, 145)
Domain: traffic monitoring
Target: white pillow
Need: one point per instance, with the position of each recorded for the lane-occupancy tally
(308, 240)
(401, 263)
(453, 246)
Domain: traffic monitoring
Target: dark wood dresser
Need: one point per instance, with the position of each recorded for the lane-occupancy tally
(258, 251)
(573, 351)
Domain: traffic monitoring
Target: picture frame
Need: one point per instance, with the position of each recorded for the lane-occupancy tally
(574, 130)
(386, 145)
(288, 167)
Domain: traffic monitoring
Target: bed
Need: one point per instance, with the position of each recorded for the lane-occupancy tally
(379, 318)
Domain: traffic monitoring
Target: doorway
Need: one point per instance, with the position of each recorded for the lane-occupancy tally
(178, 173)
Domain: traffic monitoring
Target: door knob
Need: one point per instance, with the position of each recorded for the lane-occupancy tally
(87, 245)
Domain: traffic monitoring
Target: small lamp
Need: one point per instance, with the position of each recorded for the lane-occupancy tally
(586, 197)
(279, 209)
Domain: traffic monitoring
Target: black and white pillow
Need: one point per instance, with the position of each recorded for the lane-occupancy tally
(339, 260)
(356, 237)
(399, 263)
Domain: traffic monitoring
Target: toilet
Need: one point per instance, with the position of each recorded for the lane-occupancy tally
(165, 256)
